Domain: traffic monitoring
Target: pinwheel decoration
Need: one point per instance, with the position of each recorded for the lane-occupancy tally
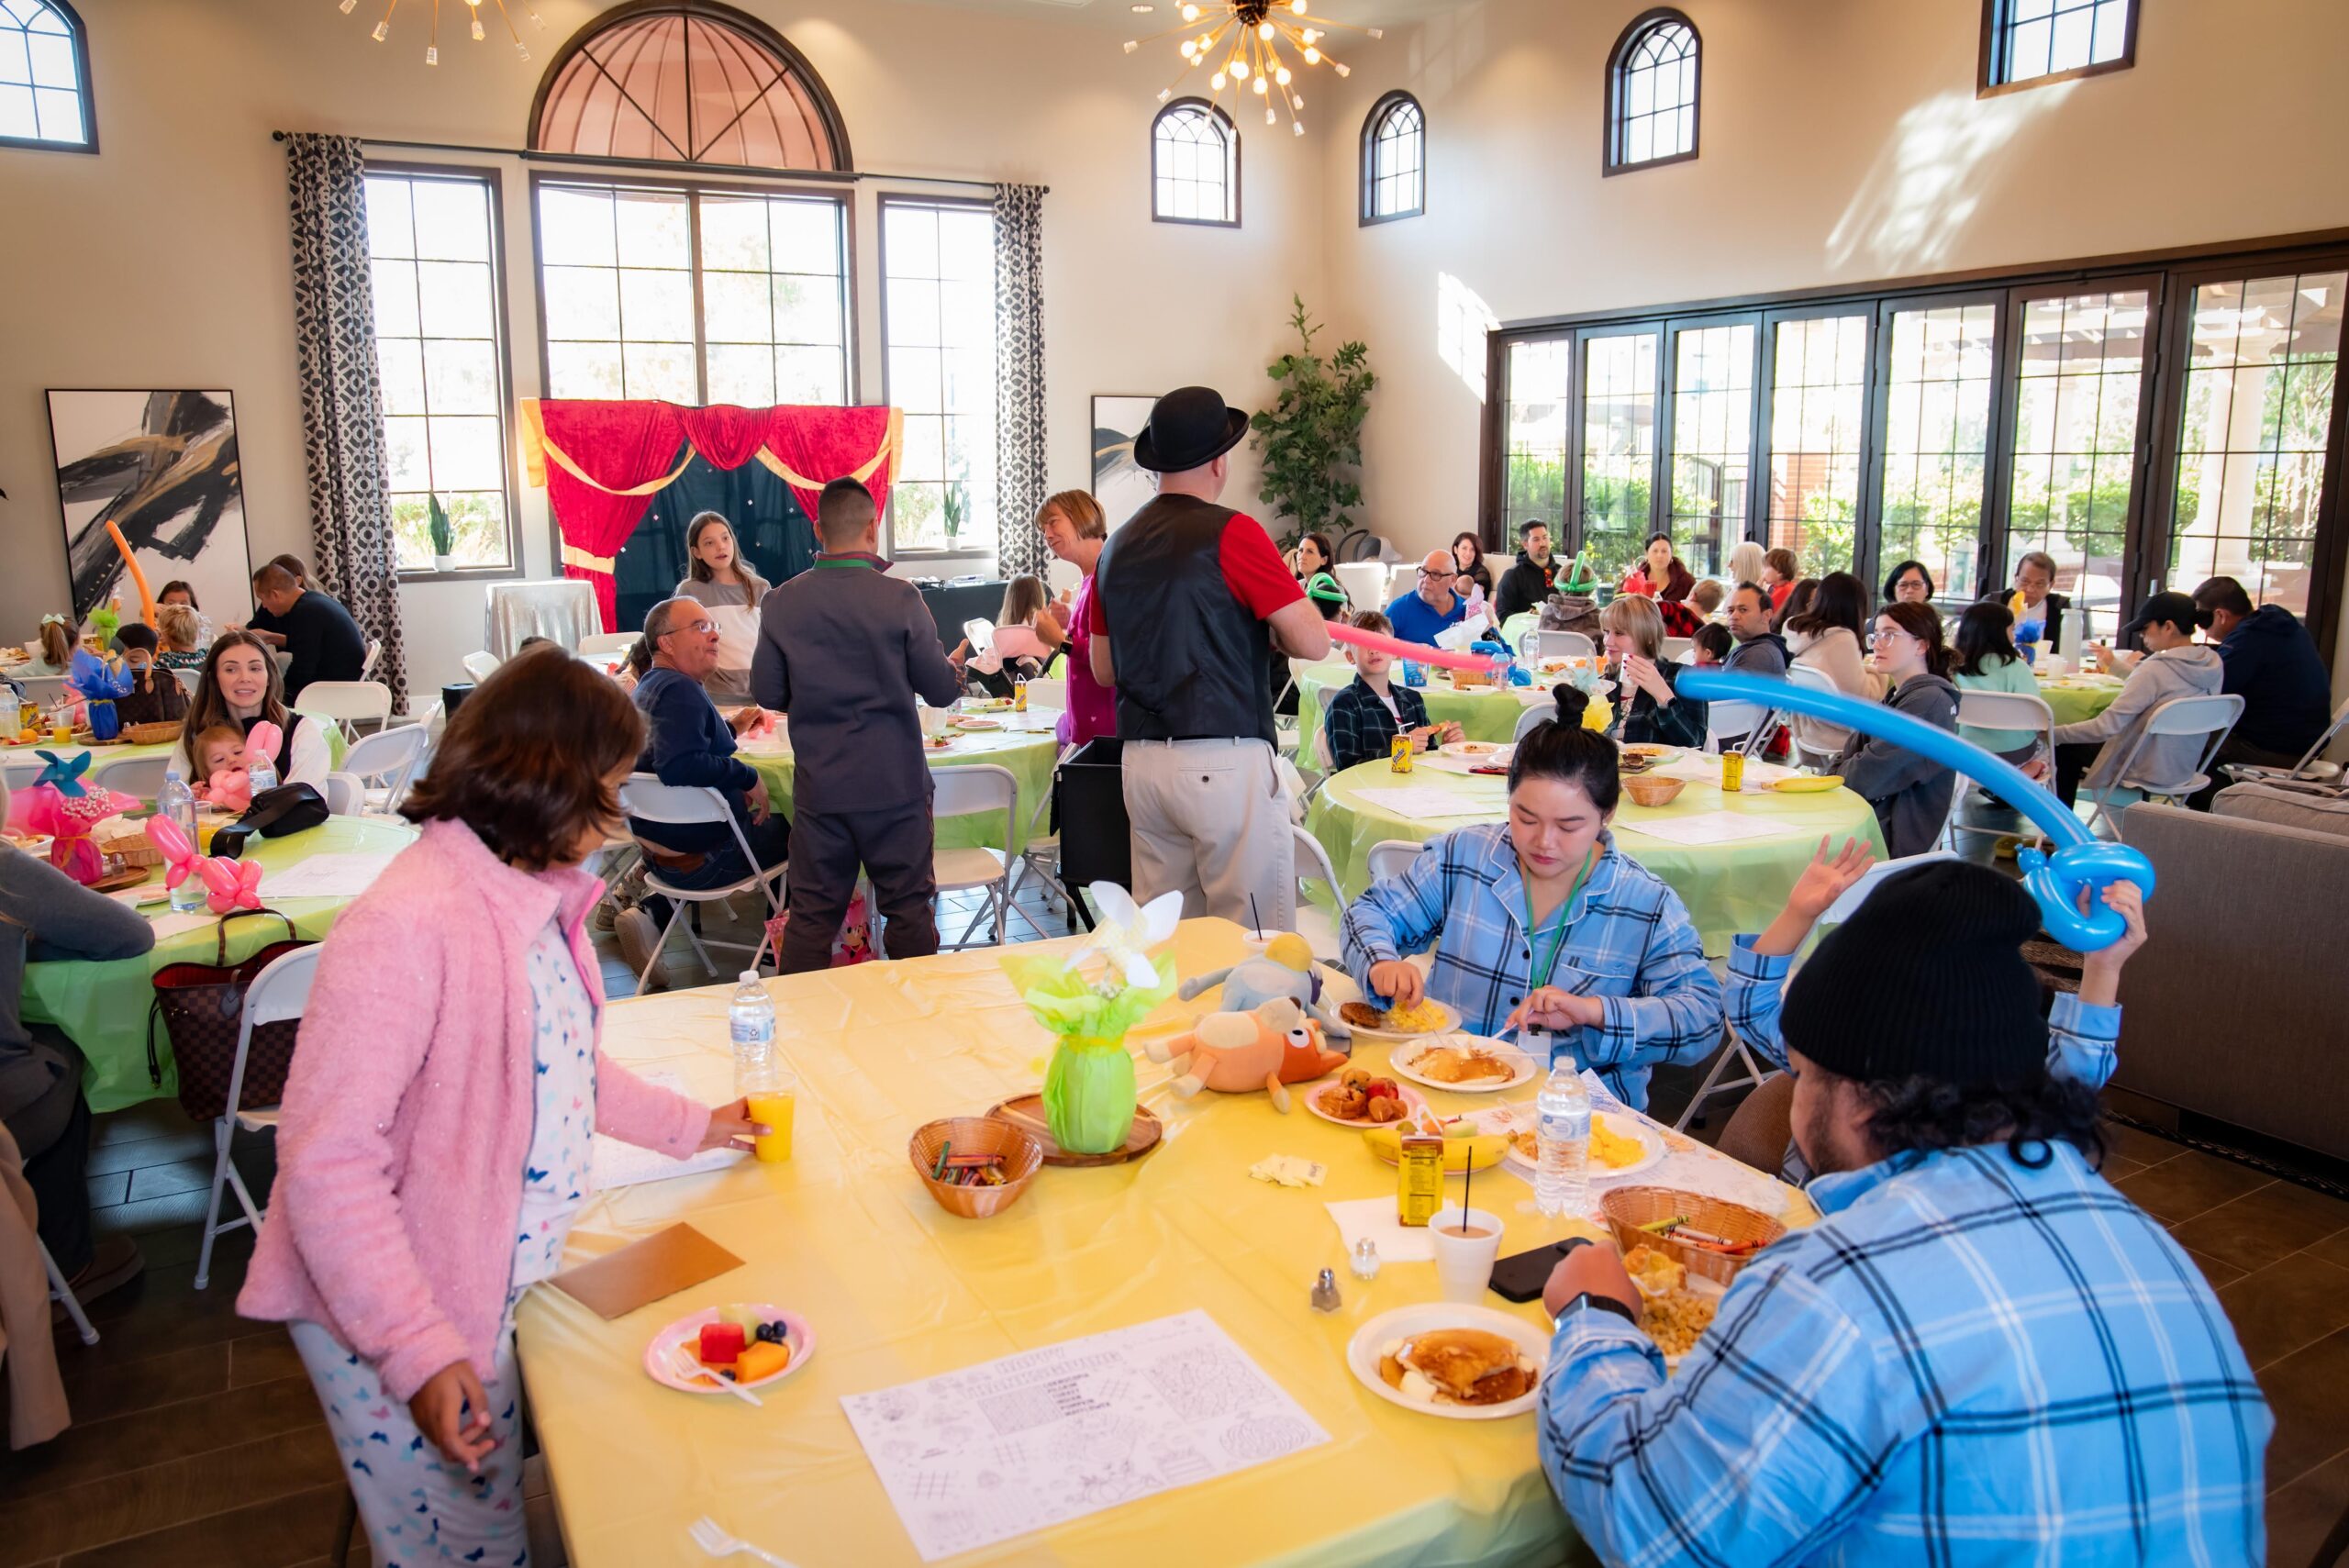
(227, 884)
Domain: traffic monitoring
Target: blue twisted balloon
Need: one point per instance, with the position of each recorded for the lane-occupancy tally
(2082, 863)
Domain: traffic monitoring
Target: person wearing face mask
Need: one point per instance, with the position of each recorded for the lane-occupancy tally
(240, 687)
(1541, 923)
(1909, 791)
(722, 579)
(1981, 1354)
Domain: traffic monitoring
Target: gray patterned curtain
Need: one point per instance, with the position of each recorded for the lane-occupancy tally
(1019, 377)
(342, 402)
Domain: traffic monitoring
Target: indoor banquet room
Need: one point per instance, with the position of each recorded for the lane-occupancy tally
(1360, 782)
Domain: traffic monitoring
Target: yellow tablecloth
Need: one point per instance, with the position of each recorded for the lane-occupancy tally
(1731, 888)
(897, 1289)
(1029, 751)
(1486, 712)
(103, 1007)
(2077, 697)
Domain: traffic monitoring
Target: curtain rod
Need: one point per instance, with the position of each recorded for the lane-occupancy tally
(598, 161)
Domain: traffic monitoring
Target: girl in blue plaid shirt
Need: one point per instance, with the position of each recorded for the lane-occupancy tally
(1541, 923)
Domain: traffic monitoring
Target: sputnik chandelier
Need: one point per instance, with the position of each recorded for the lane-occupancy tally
(1245, 36)
(432, 42)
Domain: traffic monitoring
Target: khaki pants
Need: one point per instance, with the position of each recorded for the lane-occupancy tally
(1210, 822)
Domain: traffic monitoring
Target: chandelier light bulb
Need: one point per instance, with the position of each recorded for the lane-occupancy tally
(383, 30)
(432, 55)
(348, 6)
(521, 50)
(537, 21)
(1297, 6)
(1190, 49)
(478, 34)
(1190, 12)
(1265, 31)
(1379, 32)
(1297, 126)
(1262, 85)
(1239, 69)
(1310, 35)
(1272, 116)
(1281, 76)
(1215, 81)
(1132, 44)
(1342, 68)
(1312, 55)
(1164, 94)
(1297, 100)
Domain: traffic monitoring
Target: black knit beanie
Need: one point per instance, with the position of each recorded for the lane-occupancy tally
(1928, 978)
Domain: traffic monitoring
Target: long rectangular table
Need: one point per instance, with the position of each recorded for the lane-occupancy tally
(897, 1289)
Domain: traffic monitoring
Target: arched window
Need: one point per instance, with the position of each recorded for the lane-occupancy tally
(2026, 42)
(44, 77)
(1651, 93)
(1393, 160)
(685, 82)
(1194, 165)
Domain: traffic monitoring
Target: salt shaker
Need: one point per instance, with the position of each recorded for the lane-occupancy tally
(1325, 1292)
(1364, 1262)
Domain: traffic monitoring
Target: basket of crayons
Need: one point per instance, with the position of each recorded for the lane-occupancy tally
(974, 1165)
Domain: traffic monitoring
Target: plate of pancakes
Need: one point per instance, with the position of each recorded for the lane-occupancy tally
(1440, 1358)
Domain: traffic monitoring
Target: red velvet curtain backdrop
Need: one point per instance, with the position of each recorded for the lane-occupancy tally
(812, 446)
(727, 434)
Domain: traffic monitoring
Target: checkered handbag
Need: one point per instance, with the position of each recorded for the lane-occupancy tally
(199, 1005)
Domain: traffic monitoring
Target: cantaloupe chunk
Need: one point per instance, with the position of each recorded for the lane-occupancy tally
(760, 1359)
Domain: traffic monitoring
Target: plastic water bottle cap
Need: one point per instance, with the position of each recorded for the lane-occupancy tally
(748, 977)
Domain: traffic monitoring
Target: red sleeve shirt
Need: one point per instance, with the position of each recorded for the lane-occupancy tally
(1252, 570)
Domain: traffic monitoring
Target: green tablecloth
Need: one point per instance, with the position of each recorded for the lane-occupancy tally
(1030, 754)
(106, 756)
(2077, 697)
(1728, 887)
(104, 1005)
(1486, 713)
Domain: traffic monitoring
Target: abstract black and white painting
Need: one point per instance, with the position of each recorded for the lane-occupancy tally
(1117, 485)
(162, 467)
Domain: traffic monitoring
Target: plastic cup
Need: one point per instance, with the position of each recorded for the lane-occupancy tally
(1464, 1264)
(773, 1106)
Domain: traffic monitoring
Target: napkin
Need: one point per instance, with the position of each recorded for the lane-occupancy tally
(1376, 1218)
(1288, 1171)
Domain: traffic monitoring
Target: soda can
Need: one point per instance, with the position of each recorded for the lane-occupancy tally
(1020, 696)
(1399, 754)
(1732, 772)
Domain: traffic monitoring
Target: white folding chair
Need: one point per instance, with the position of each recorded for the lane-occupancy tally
(1049, 691)
(1533, 717)
(1392, 857)
(1564, 645)
(142, 776)
(2310, 769)
(191, 679)
(1748, 721)
(644, 798)
(1997, 710)
(977, 789)
(1805, 675)
(607, 642)
(1674, 647)
(346, 795)
(375, 656)
(1040, 856)
(61, 1292)
(1316, 925)
(2213, 717)
(278, 993)
(480, 665)
(347, 703)
(1365, 582)
(386, 763)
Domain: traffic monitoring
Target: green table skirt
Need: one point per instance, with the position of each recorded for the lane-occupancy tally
(1488, 713)
(1030, 754)
(2073, 699)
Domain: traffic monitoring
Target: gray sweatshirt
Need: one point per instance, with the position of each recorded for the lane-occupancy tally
(844, 650)
(45, 915)
(1911, 792)
(2193, 671)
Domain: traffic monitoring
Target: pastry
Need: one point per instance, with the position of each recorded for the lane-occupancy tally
(1450, 1064)
(1457, 1367)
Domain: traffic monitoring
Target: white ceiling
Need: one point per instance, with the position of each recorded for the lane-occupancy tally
(1118, 15)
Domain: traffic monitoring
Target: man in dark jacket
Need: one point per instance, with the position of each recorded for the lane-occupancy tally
(322, 642)
(1758, 649)
(2273, 664)
(1530, 578)
(2042, 606)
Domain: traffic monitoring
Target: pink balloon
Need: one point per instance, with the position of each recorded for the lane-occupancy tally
(1416, 652)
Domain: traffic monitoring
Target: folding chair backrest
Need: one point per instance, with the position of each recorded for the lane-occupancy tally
(1050, 694)
(2005, 710)
(2340, 722)
(1564, 645)
(344, 700)
(346, 793)
(1811, 676)
(386, 754)
(282, 990)
(1313, 862)
(1538, 714)
(191, 679)
(974, 790)
(2211, 716)
(1392, 857)
(42, 689)
(649, 800)
(1674, 647)
(481, 665)
(1734, 719)
(374, 653)
(1856, 895)
(142, 776)
(607, 642)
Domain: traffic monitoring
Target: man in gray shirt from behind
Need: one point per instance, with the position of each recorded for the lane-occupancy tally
(844, 650)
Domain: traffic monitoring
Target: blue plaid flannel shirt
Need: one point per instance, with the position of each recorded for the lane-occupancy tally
(1964, 1362)
(1630, 942)
(1358, 725)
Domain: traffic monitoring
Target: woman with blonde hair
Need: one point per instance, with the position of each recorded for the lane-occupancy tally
(1647, 709)
(725, 584)
(1075, 529)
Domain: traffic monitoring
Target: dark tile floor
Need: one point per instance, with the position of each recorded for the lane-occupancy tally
(197, 1440)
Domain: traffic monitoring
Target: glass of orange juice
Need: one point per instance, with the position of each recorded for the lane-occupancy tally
(770, 1104)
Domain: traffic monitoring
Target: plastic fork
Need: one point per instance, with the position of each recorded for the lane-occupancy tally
(685, 1366)
(712, 1538)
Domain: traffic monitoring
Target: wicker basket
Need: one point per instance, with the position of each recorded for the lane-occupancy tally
(151, 734)
(1628, 1208)
(1649, 790)
(1022, 1158)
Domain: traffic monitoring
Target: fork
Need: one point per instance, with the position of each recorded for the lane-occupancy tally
(712, 1539)
(685, 1366)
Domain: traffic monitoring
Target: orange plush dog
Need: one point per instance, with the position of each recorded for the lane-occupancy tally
(1266, 1047)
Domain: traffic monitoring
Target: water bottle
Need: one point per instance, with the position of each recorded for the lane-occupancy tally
(1562, 1180)
(750, 1020)
(177, 802)
(263, 774)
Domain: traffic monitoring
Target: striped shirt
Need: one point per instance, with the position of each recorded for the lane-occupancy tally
(1628, 940)
(1965, 1361)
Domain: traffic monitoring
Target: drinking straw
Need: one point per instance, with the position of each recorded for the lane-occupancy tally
(1467, 1188)
(1255, 921)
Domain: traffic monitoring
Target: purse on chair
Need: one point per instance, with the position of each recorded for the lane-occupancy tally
(201, 1006)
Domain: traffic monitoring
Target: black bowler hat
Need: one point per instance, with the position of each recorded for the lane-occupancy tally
(1189, 428)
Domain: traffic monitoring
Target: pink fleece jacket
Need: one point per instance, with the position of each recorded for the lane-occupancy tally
(409, 1110)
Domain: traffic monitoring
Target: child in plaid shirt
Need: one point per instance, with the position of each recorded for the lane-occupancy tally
(1365, 718)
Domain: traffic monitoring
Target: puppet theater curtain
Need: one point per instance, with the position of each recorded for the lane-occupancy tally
(602, 461)
(342, 406)
(1020, 378)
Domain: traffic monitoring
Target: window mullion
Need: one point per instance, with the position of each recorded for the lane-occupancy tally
(701, 330)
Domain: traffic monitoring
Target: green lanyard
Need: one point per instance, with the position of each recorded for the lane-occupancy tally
(1539, 975)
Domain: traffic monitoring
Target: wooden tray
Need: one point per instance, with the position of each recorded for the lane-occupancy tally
(1027, 1113)
(129, 876)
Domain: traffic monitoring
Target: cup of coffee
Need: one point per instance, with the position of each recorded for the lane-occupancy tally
(1466, 1241)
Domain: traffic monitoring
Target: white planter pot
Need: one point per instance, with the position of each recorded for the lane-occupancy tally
(444, 563)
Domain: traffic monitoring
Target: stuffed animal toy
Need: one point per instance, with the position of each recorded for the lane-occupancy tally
(231, 788)
(1285, 970)
(1267, 1048)
(60, 805)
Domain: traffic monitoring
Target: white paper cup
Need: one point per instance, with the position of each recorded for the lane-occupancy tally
(1463, 1265)
(933, 720)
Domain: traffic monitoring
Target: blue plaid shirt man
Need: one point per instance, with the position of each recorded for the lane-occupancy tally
(1358, 726)
(1628, 940)
(1967, 1360)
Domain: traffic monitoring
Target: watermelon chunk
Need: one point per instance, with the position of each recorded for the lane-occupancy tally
(721, 1344)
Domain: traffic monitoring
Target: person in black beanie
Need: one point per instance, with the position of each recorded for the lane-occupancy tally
(1974, 1301)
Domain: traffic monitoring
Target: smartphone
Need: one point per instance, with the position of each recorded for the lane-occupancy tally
(1520, 1277)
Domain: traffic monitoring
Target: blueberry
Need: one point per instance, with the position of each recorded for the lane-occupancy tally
(728, 1373)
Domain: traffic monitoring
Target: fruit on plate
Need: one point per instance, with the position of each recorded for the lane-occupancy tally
(1608, 1147)
(761, 1360)
(1465, 1147)
(721, 1344)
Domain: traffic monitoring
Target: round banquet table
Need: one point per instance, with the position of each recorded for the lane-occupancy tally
(1025, 745)
(1739, 886)
(1486, 712)
(103, 1007)
(15, 757)
(2079, 696)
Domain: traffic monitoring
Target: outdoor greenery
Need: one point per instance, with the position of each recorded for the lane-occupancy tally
(436, 524)
(476, 529)
(1312, 438)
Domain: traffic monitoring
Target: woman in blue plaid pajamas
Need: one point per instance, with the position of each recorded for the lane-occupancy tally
(1540, 922)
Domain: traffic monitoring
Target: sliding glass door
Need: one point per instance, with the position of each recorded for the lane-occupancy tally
(1931, 449)
(1620, 390)
(1711, 440)
(1817, 422)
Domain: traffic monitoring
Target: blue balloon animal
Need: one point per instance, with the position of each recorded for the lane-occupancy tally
(2081, 863)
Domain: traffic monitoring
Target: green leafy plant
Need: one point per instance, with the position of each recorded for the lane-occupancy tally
(952, 505)
(1311, 436)
(444, 537)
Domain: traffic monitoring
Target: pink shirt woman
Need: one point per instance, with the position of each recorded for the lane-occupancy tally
(1074, 531)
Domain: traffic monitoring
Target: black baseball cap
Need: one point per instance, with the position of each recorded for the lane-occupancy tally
(2171, 608)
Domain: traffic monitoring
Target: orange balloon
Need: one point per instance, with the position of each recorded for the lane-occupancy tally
(146, 596)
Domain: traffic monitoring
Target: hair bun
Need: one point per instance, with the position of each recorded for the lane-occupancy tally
(1572, 702)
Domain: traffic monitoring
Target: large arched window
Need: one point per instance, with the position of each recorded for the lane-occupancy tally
(1651, 93)
(685, 82)
(1194, 164)
(44, 77)
(1393, 160)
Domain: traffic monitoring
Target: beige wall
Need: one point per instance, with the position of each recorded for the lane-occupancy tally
(165, 261)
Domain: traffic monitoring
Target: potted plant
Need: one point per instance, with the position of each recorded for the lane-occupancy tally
(1311, 436)
(444, 541)
(951, 507)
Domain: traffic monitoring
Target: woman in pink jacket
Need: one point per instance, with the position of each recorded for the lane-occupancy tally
(437, 1119)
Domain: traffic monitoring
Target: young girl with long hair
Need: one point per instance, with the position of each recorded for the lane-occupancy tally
(1909, 791)
(1988, 661)
(725, 584)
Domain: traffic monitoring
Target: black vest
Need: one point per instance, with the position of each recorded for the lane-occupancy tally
(1192, 663)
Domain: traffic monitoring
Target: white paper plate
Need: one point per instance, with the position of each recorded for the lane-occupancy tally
(1450, 1025)
(660, 1355)
(1477, 751)
(1648, 1138)
(973, 722)
(1310, 1094)
(1402, 1058)
(1363, 1351)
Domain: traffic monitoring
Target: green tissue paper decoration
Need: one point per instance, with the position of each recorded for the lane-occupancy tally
(1089, 1085)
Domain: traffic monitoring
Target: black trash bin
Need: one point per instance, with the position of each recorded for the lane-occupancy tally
(1089, 809)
